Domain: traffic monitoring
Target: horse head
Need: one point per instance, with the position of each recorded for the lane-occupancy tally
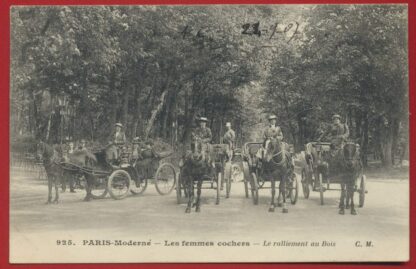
(351, 154)
(273, 148)
(196, 150)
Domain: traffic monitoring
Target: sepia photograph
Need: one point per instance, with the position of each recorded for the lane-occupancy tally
(209, 133)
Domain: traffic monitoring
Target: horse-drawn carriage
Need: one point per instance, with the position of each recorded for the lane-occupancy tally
(325, 166)
(233, 169)
(257, 172)
(197, 172)
(103, 175)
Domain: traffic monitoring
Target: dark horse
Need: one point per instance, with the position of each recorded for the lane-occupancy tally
(277, 164)
(195, 168)
(52, 161)
(105, 160)
(344, 163)
(352, 170)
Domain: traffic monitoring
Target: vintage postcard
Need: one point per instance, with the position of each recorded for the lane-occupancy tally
(218, 133)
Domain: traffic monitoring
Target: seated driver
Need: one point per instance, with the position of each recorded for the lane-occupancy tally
(271, 131)
(204, 135)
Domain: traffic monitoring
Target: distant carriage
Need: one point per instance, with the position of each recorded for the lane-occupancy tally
(125, 177)
(318, 177)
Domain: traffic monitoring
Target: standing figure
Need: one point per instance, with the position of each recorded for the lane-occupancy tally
(229, 139)
(118, 139)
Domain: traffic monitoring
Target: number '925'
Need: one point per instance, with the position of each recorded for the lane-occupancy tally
(64, 243)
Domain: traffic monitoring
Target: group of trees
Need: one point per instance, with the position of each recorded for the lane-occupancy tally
(76, 71)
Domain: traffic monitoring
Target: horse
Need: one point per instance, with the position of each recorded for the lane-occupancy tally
(352, 167)
(50, 159)
(195, 168)
(105, 159)
(277, 163)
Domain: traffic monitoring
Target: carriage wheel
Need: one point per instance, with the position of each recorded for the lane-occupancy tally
(219, 179)
(99, 188)
(294, 189)
(179, 189)
(137, 188)
(321, 188)
(165, 179)
(227, 178)
(119, 184)
(246, 177)
(362, 191)
(305, 184)
(254, 189)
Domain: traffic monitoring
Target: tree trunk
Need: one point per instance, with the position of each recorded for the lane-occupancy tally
(154, 113)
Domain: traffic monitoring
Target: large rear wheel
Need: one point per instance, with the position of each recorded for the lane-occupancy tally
(119, 184)
(254, 188)
(99, 187)
(362, 191)
(246, 173)
(321, 188)
(165, 179)
(219, 179)
(294, 189)
(305, 184)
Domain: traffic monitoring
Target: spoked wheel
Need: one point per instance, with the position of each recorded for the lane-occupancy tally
(305, 184)
(165, 179)
(246, 177)
(362, 191)
(254, 189)
(99, 187)
(138, 186)
(294, 189)
(219, 179)
(321, 189)
(119, 184)
(227, 178)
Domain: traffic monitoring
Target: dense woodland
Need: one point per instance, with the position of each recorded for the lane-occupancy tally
(76, 71)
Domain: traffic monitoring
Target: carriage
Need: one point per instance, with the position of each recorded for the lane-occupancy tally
(215, 180)
(233, 169)
(125, 177)
(313, 178)
(253, 175)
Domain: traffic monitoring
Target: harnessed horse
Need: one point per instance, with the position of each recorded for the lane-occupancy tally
(55, 172)
(353, 168)
(195, 167)
(50, 159)
(277, 163)
(344, 163)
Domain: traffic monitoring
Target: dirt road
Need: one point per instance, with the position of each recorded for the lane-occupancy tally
(383, 221)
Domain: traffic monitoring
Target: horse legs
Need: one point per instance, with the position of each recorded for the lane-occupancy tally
(272, 205)
(342, 199)
(56, 200)
(49, 189)
(282, 187)
(190, 187)
(351, 197)
(88, 188)
(198, 196)
(347, 198)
